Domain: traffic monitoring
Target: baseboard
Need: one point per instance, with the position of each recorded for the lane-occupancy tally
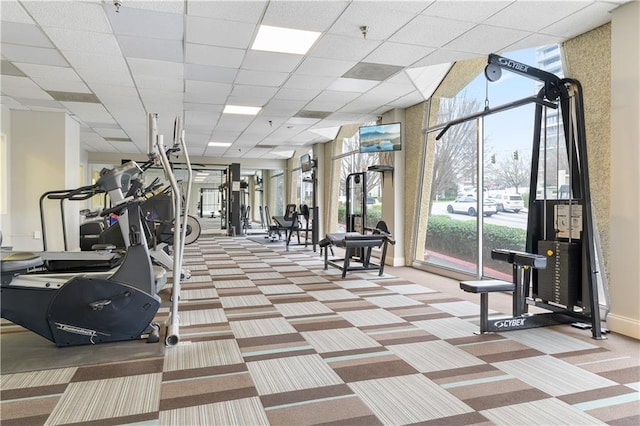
(622, 325)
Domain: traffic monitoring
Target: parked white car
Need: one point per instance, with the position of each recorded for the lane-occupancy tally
(467, 204)
(508, 202)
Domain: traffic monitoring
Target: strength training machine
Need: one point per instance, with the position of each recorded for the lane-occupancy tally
(559, 269)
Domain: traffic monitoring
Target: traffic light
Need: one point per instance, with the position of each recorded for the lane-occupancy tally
(515, 154)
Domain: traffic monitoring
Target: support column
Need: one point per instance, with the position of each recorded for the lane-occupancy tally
(624, 292)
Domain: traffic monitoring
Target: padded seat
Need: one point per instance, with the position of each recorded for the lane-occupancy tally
(486, 286)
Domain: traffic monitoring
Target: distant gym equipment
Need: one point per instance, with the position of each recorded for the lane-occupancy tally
(559, 270)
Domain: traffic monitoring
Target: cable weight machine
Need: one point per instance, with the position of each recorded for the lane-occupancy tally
(559, 270)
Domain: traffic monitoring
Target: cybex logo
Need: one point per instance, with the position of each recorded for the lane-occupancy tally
(512, 322)
(513, 64)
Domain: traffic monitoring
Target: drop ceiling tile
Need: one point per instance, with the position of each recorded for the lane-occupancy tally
(167, 69)
(534, 40)
(534, 15)
(308, 82)
(324, 67)
(209, 73)
(205, 100)
(444, 56)
(398, 54)
(261, 78)
(240, 11)
(331, 101)
(209, 89)
(407, 100)
(352, 85)
(11, 103)
(212, 55)
(216, 32)
(430, 31)
(41, 104)
(220, 135)
(234, 122)
(146, 23)
(256, 152)
(57, 85)
(153, 82)
(157, 6)
(49, 72)
(470, 11)
(32, 55)
(22, 87)
(110, 133)
(89, 112)
(283, 108)
(485, 39)
(296, 94)
(23, 34)
(82, 16)
(12, 11)
(114, 92)
(380, 17)
(200, 119)
(592, 16)
(7, 68)
(304, 15)
(149, 48)
(332, 46)
(84, 41)
(96, 68)
(270, 61)
(260, 93)
(173, 99)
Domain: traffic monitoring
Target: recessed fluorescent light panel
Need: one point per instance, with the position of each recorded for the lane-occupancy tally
(220, 144)
(244, 110)
(284, 40)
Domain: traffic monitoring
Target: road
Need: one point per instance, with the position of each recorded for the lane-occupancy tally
(514, 220)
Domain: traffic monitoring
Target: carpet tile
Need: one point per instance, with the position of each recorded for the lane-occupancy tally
(269, 337)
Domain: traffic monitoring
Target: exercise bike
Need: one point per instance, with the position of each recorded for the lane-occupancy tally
(79, 309)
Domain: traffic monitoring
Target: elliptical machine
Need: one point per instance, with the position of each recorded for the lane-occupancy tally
(79, 309)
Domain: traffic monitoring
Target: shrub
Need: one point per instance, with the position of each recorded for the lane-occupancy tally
(457, 238)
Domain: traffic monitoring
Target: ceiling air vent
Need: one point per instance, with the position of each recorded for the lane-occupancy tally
(117, 139)
(371, 71)
(74, 97)
(320, 115)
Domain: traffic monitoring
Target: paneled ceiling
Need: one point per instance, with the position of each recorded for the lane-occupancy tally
(108, 67)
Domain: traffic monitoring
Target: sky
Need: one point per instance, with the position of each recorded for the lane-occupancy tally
(510, 130)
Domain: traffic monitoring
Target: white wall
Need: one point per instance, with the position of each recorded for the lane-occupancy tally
(624, 286)
(45, 156)
(5, 169)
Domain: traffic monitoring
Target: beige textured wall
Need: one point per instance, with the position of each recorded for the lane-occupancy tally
(414, 146)
(588, 59)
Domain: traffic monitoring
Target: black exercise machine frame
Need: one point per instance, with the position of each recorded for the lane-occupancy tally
(358, 249)
(567, 94)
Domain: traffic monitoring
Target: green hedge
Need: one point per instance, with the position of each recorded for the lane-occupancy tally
(458, 238)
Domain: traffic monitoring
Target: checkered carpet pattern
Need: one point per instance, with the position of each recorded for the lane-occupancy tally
(270, 337)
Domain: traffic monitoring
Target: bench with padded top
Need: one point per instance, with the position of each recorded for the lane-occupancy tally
(522, 261)
(354, 242)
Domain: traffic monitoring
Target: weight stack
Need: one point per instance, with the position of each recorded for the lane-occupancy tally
(561, 281)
